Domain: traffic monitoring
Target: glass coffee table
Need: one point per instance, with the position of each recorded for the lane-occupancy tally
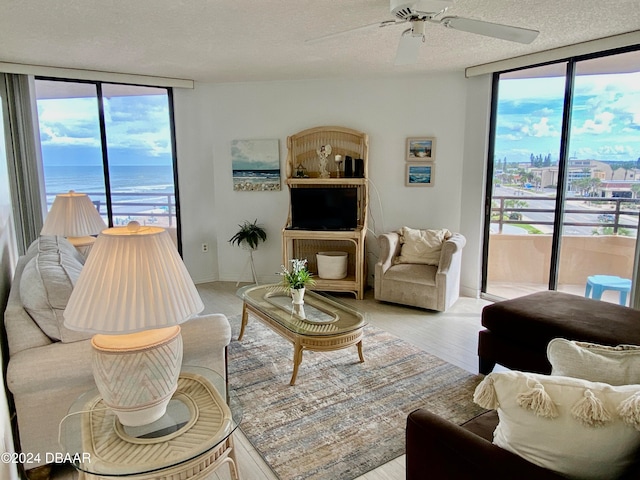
(190, 441)
(320, 324)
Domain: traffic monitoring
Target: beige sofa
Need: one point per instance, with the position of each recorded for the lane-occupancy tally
(49, 366)
(433, 286)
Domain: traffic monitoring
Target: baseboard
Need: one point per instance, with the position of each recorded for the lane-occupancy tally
(469, 292)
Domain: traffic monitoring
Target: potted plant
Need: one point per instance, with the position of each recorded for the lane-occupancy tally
(249, 236)
(296, 279)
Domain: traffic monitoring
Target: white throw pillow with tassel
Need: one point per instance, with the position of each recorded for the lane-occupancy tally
(578, 428)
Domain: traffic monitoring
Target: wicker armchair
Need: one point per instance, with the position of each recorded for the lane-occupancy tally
(425, 286)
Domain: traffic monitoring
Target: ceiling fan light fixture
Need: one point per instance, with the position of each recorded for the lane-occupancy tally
(417, 28)
(408, 48)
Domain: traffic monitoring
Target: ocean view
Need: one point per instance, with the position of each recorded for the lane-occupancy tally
(140, 192)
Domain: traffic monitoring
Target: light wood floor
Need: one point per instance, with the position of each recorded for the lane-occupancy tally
(450, 335)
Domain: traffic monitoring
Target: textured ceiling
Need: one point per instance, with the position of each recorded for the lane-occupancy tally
(257, 40)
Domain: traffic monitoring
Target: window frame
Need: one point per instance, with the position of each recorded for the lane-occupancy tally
(104, 146)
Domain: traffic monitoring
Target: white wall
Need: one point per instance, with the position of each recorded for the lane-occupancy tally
(209, 117)
(476, 144)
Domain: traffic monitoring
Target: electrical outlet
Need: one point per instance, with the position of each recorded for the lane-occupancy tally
(205, 247)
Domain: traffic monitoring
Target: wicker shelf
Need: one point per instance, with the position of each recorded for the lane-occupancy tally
(302, 150)
(326, 181)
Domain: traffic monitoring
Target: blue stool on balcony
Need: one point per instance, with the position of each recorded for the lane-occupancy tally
(596, 284)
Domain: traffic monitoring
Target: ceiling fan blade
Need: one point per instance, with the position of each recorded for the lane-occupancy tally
(408, 49)
(496, 30)
(386, 23)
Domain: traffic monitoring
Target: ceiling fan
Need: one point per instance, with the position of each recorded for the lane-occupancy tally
(418, 13)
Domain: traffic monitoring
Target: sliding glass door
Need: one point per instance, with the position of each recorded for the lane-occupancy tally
(600, 218)
(528, 122)
(565, 175)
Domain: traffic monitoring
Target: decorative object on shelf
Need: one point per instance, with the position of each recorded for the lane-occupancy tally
(249, 236)
(323, 154)
(256, 165)
(421, 149)
(296, 279)
(301, 171)
(133, 293)
(338, 160)
(348, 166)
(420, 174)
(73, 215)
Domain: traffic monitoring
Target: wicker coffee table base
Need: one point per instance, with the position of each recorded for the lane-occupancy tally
(303, 342)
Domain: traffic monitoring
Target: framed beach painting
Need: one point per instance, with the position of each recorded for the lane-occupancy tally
(256, 165)
(420, 174)
(421, 149)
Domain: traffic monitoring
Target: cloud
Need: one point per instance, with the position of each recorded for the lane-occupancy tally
(540, 129)
(544, 129)
(615, 150)
(137, 123)
(601, 123)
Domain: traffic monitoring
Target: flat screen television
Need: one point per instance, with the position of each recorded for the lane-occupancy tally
(324, 208)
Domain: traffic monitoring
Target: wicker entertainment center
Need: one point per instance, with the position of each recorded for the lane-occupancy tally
(310, 166)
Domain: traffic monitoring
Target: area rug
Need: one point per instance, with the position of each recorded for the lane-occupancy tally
(343, 418)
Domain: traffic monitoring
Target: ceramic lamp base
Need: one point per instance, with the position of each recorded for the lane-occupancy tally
(137, 373)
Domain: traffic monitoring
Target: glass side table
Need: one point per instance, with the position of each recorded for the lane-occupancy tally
(190, 441)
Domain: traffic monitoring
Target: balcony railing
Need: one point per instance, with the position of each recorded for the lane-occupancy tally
(598, 237)
(582, 212)
(146, 208)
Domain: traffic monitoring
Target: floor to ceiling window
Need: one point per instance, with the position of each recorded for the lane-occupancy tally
(113, 142)
(565, 176)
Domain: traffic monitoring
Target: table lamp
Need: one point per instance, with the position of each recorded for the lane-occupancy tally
(133, 292)
(73, 215)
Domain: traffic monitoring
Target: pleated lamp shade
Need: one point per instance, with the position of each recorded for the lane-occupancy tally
(73, 215)
(133, 280)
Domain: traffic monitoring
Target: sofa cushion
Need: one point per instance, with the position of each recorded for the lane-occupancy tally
(421, 246)
(46, 284)
(619, 365)
(575, 427)
(46, 243)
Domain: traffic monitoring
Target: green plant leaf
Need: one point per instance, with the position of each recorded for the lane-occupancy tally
(250, 234)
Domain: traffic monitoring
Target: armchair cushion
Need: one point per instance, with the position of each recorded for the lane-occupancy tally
(412, 274)
(618, 365)
(421, 246)
(572, 426)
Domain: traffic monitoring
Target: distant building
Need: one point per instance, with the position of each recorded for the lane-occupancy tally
(616, 189)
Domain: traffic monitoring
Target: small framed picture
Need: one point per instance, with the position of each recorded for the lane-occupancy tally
(420, 174)
(421, 149)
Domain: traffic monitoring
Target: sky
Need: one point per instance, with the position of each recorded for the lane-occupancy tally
(605, 120)
(137, 127)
